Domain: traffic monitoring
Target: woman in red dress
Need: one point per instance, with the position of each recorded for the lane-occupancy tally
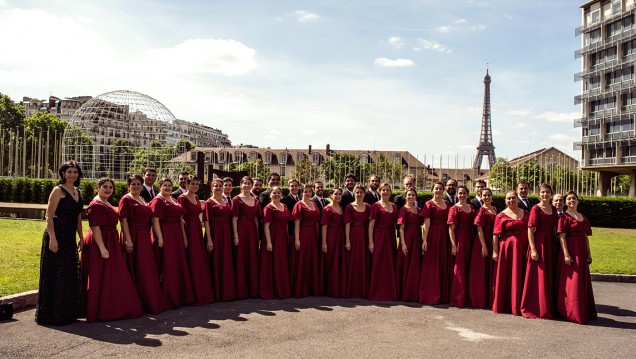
(356, 218)
(460, 230)
(334, 270)
(135, 219)
(274, 275)
(410, 254)
(111, 294)
(305, 269)
(481, 274)
(575, 297)
(383, 247)
(538, 296)
(510, 244)
(435, 273)
(245, 214)
(217, 218)
(197, 249)
(171, 242)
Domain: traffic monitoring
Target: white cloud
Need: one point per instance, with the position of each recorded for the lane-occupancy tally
(507, 17)
(558, 117)
(203, 56)
(519, 113)
(304, 16)
(460, 21)
(478, 27)
(433, 45)
(561, 137)
(386, 62)
(396, 42)
(443, 29)
(458, 25)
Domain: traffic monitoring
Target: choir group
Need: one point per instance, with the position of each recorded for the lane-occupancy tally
(529, 260)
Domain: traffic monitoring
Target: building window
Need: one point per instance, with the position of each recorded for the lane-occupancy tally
(364, 158)
(268, 158)
(193, 156)
(283, 159)
(316, 158)
(208, 157)
(614, 28)
(253, 156)
(282, 172)
(222, 157)
(299, 156)
(238, 157)
(616, 7)
(397, 158)
(596, 16)
(628, 23)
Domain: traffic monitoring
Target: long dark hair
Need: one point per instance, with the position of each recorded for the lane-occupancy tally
(66, 166)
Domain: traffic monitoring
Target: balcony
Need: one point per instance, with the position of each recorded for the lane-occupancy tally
(619, 135)
(577, 146)
(602, 161)
(591, 139)
(628, 159)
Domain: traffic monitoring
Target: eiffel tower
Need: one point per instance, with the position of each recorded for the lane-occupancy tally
(485, 148)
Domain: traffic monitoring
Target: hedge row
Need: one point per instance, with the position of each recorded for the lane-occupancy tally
(601, 211)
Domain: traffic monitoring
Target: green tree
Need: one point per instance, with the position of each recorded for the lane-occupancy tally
(43, 131)
(389, 171)
(255, 169)
(11, 114)
(121, 153)
(500, 176)
(183, 146)
(338, 165)
(306, 172)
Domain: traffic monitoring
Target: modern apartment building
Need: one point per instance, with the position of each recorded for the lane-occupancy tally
(608, 91)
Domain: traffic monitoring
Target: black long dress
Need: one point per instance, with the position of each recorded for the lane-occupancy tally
(58, 297)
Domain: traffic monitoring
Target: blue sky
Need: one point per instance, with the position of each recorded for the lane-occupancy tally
(357, 74)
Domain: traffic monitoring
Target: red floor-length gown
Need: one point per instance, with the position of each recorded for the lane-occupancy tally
(246, 257)
(305, 269)
(409, 265)
(334, 267)
(464, 237)
(575, 297)
(141, 261)
(274, 274)
(382, 285)
(219, 217)
(538, 296)
(111, 294)
(197, 251)
(357, 258)
(482, 271)
(176, 285)
(511, 263)
(435, 273)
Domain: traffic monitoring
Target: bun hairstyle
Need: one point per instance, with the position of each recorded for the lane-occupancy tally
(573, 194)
(435, 184)
(486, 189)
(546, 186)
(66, 166)
(134, 177)
(193, 178)
(464, 187)
(360, 187)
(102, 181)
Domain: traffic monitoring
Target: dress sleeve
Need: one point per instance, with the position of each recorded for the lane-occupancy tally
(259, 209)
(347, 216)
(236, 207)
(268, 214)
(181, 200)
(96, 214)
(425, 212)
(158, 207)
(588, 227)
(563, 225)
(535, 217)
(452, 215)
(124, 207)
(297, 212)
(205, 213)
(373, 213)
(402, 216)
(326, 216)
(479, 218)
(499, 224)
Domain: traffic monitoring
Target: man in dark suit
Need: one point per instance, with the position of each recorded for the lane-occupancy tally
(148, 192)
(292, 197)
(228, 186)
(523, 187)
(559, 203)
(372, 195)
(477, 202)
(451, 192)
(257, 188)
(400, 200)
(347, 193)
(319, 201)
(183, 182)
(272, 180)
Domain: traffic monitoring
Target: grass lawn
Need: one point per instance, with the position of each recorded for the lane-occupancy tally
(613, 251)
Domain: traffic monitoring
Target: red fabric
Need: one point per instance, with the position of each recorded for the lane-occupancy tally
(305, 269)
(382, 285)
(482, 271)
(176, 285)
(141, 262)
(197, 252)
(408, 266)
(274, 273)
(221, 258)
(246, 257)
(511, 263)
(538, 296)
(357, 259)
(435, 273)
(111, 294)
(575, 297)
(464, 237)
(334, 269)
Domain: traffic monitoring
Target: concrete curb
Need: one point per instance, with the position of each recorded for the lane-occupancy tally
(28, 300)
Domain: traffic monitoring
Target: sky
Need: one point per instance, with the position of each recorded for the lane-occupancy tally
(355, 74)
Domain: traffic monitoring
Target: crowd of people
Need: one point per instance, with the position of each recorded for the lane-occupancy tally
(529, 259)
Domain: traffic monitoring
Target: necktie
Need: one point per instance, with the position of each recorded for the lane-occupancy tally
(324, 202)
(525, 201)
(377, 196)
(152, 192)
(227, 199)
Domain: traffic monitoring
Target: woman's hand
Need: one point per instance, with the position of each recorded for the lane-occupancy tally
(269, 246)
(567, 259)
(454, 249)
(210, 246)
(371, 247)
(589, 259)
(405, 249)
(129, 246)
(53, 245)
(160, 244)
(324, 247)
(185, 242)
(495, 255)
(534, 255)
(424, 246)
(297, 244)
(348, 245)
(484, 251)
(104, 252)
(236, 241)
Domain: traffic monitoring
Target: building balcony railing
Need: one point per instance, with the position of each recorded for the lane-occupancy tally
(598, 45)
(619, 135)
(591, 139)
(578, 122)
(628, 159)
(602, 161)
(577, 146)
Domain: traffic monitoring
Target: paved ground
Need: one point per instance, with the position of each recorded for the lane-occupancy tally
(324, 327)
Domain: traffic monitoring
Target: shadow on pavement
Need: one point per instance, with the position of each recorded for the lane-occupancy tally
(604, 321)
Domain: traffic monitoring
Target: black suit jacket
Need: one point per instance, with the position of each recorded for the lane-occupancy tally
(289, 202)
(177, 193)
(146, 195)
(369, 198)
(523, 206)
(399, 201)
(263, 198)
(475, 203)
(447, 199)
(320, 205)
(346, 199)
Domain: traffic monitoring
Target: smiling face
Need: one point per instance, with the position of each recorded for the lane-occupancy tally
(408, 183)
(358, 194)
(479, 186)
(227, 188)
(545, 195)
(150, 177)
(512, 201)
(350, 182)
(217, 188)
(451, 187)
(410, 197)
(385, 192)
(165, 187)
(438, 191)
(462, 194)
(572, 201)
(558, 202)
(293, 187)
(275, 194)
(105, 190)
(183, 180)
(193, 186)
(522, 190)
(246, 185)
(319, 188)
(71, 175)
(273, 181)
(374, 182)
(307, 193)
(336, 195)
(135, 187)
(486, 196)
(258, 187)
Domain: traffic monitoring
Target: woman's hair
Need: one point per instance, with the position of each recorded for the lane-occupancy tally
(359, 186)
(513, 192)
(67, 165)
(274, 189)
(486, 189)
(132, 178)
(219, 180)
(410, 190)
(336, 189)
(165, 179)
(193, 178)
(308, 186)
(546, 186)
(573, 194)
(102, 181)
(435, 184)
(464, 187)
(247, 178)
(384, 184)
